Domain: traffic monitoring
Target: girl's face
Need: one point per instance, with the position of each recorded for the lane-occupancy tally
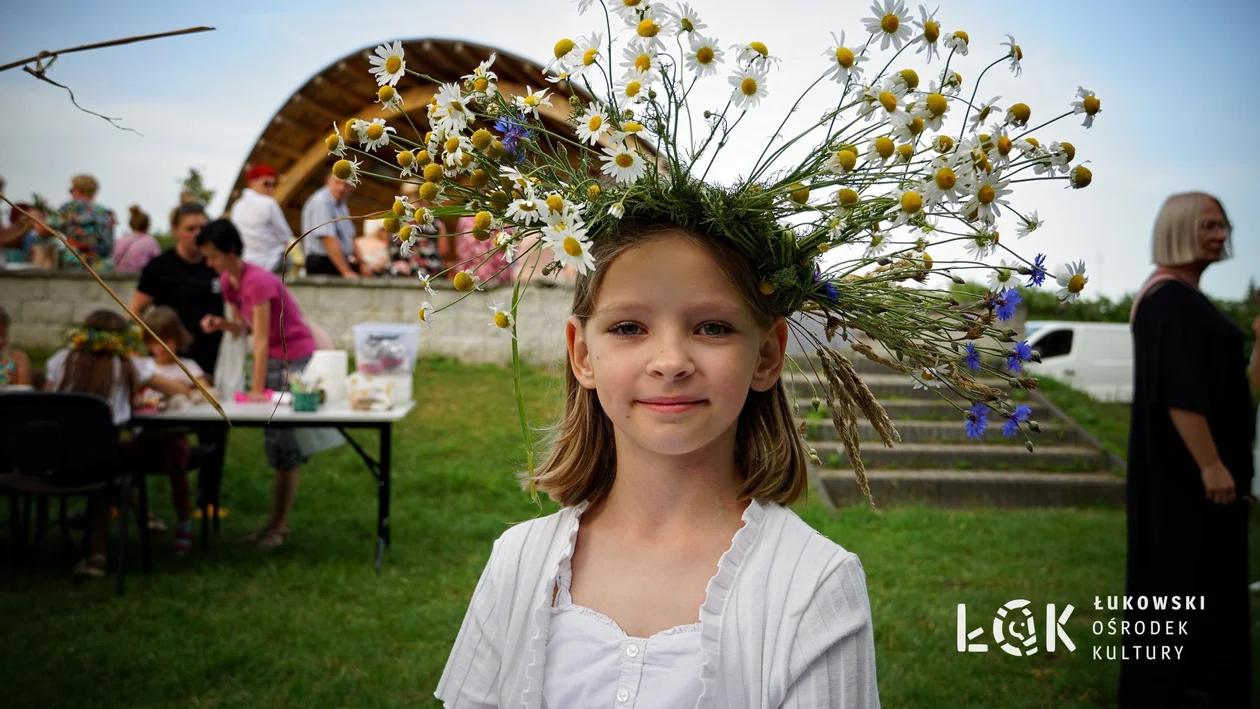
(160, 355)
(672, 349)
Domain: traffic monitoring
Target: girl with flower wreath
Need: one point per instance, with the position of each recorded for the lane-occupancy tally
(98, 360)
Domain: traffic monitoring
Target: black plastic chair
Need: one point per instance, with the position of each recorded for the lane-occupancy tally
(60, 444)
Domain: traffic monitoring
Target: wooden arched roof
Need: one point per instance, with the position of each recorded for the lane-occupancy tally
(293, 141)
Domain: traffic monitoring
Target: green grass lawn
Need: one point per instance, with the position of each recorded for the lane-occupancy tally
(312, 625)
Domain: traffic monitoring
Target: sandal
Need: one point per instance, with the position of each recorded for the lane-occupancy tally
(273, 539)
(93, 567)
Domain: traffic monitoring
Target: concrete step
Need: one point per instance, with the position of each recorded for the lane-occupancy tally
(934, 409)
(947, 432)
(961, 457)
(957, 489)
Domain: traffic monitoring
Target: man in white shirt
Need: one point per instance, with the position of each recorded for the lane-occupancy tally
(258, 217)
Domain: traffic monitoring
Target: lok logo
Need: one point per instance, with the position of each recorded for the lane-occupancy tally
(1015, 629)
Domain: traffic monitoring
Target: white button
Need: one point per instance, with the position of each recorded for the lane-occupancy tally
(633, 651)
(622, 695)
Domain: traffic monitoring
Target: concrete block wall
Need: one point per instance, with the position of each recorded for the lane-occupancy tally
(43, 305)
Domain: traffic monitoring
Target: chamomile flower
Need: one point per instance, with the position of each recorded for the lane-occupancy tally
(334, 143)
(566, 54)
(531, 101)
(753, 53)
(628, 129)
(880, 149)
(482, 80)
(877, 245)
(980, 244)
(1088, 104)
(951, 82)
(389, 98)
(982, 113)
(426, 282)
(1055, 158)
(505, 239)
(623, 164)
(525, 211)
(654, 22)
(686, 19)
(987, 195)
(642, 63)
(931, 33)
(1071, 282)
(388, 63)
(347, 170)
(926, 378)
(750, 87)
(888, 98)
(942, 183)
(502, 319)
(627, 10)
(844, 63)
(592, 124)
(426, 308)
(932, 108)
(957, 42)
(1015, 53)
(450, 110)
(571, 245)
(891, 23)
(1002, 278)
(703, 56)
(908, 204)
(375, 134)
(1028, 224)
(617, 210)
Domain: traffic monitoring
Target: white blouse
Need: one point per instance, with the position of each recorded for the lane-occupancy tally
(786, 624)
(592, 662)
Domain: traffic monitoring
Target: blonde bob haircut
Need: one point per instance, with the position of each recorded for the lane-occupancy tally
(582, 461)
(1176, 237)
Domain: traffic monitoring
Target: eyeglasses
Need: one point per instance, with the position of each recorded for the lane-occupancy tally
(1212, 225)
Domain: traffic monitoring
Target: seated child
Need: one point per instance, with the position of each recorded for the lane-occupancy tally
(15, 366)
(165, 323)
(96, 361)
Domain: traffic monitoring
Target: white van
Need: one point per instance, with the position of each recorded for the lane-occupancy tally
(1096, 358)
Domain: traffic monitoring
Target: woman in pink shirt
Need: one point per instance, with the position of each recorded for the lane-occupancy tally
(264, 307)
(135, 250)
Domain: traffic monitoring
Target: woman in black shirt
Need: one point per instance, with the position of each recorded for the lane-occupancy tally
(1189, 469)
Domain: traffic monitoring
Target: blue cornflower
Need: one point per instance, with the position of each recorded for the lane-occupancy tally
(1022, 352)
(1038, 271)
(514, 130)
(828, 288)
(972, 360)
(977, 420)
(1007, 303)
(1015, 418)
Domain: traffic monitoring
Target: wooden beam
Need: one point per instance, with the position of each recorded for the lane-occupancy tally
(307, 102)
(450, 72)
(285, 150)
(352, 97)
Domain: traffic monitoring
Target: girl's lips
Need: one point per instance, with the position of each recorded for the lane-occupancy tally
(671, 405)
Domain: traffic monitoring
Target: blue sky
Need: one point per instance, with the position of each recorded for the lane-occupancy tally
(1174, 79)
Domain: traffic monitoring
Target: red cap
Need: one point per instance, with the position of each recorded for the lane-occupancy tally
(260, 170)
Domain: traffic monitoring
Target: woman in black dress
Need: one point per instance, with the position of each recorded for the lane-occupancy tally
(1189, 469)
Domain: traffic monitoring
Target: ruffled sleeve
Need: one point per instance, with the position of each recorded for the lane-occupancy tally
(837, 633)
(471, 677)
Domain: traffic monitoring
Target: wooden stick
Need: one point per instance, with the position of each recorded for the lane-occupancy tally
(200, 387)
(97, 45)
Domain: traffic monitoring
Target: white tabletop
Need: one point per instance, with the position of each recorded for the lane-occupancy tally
(337, 413)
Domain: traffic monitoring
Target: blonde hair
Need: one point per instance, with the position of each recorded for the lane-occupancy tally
(1176, 237)
(582, 461)
(165, 323)
(84, 184)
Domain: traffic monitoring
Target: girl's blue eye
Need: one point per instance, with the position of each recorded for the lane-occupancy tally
(620, 329)
(721, 329)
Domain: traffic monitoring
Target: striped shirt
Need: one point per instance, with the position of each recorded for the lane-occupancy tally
(322, 208)
(786, 621)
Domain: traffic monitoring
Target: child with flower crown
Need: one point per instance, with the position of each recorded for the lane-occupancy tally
(674, 575)
(97, 360)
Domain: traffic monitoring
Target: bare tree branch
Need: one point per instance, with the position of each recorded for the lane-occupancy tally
(111, 43)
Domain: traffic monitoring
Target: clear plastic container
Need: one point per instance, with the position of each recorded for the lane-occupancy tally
(385, 348)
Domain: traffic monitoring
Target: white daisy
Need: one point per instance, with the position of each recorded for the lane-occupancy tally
(589, 57)
(375, 134)
(1028, 224)
(623, 165)
(1000, 146)
(502, 319)
(981, 244)
(334, 143)
(518, 180)
(885, 102)
(1015, 53)
(951, 82)
(753, 53)
(450, 112)
(617, 210)
(627, 10)
(1088, 104)
(1003, 277)
(388, 63)
(642, 63)
(982, 114)
(750, 87)
(525, 211)
(389, 98)
(908, 203)
(592, 124)
(505, 240)
(704, 55)
(566, 55)
(891, 23)
(1071, 281)
(426, 308)
(987, 197)
(844, 62)
(630, 91)
(426, 282)
(957, 42)
(931, 33)
(584, 5)
(879, 242)
(482, 80)
(942, 183)
(571, 245)
(628, 128)
(932, 108)
(686, 19)
(531, 101)
(1056, 158)
(347, 169)
(926, 378)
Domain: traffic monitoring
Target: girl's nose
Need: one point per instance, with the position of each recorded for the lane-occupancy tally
(671, 360)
